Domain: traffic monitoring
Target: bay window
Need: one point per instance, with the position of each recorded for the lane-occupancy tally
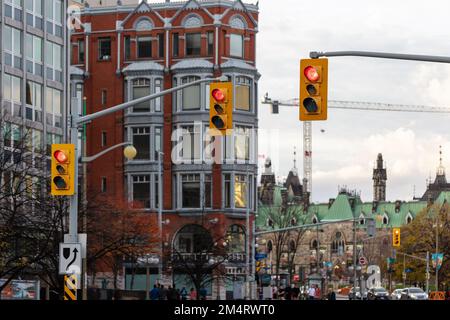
(141, 191)
(236, 45)
(193, 44)
(141, 141)
(190, 185)
(191, 142)
(141, 88)
(243, 96)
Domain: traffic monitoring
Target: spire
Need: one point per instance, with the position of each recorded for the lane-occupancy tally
(440, 169)
(295, 157)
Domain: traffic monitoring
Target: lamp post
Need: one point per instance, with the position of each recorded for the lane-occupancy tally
(160, 204)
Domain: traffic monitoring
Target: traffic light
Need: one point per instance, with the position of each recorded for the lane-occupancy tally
(313, 89)
(220, 107)
(63, 170)
(396, 237)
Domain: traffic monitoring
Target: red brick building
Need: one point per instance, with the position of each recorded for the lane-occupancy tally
(126, 51)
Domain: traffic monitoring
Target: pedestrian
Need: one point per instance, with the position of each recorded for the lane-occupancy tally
(287, 293)
(163, 293)
(331, 295)
(311, 292)
(295, 292)
(154, 293)
(317, 293)
(202, 293)
(193, 294)
(274, 292)
(183, 293)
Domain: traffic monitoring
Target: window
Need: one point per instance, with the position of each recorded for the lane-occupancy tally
(158, 84)
(208, 191)
(34, 13)
(337, 246)
(33, 110)
(13, 9)
(227, 190)
(236, 239)
(80, 51)
(53, 107)
(141, 141)
(210, 36)
(104, 48)
(103, 186)
(161, 45)
(13, 47)
(242, 143)
(175, 44)
(52, 138)
(104, 141)
(243, 96)
(191, 95)
(193, 44)
(53, 60)
(12, 93)
(158, 141)
(141, 88)
(191, 142)
(190, 190)
(33, 54)
(240, 191)
(144, 47)
(236, 45)
(141, 191)
(54, 15)
(104, 96)
(127, 47)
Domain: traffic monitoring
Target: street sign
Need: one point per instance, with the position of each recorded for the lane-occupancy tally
(69, 258)
(82, 239)
(362, 261)
(260, 256)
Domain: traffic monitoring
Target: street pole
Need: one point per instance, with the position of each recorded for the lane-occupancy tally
(404, 272)
(247, 224)
(160, 204)
(84, 271)
(428, 271)
(354, 254)
(437, 250)
(147, 281)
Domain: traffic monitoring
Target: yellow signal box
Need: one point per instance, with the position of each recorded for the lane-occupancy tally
(396, 237)
(63, 170)
(220, 107)
(313, 102)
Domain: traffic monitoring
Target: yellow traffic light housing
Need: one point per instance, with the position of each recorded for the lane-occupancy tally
(313, 100)
(220, 107)
(396, 237)
(63, 170)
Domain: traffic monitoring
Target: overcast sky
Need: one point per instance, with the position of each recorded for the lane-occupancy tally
(344, 154)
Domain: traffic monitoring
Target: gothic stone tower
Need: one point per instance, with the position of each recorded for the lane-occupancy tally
(379, 180)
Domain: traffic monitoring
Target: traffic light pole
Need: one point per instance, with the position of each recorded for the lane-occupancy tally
(382, 55)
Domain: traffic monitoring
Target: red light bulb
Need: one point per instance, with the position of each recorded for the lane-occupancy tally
(218, 95)
(311, 74)
(60, 156)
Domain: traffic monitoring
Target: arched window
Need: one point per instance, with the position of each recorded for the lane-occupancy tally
(237, 22)
(269, 246)
(236, 239)
(193, 239)
(338, 244)
(385, 219)
(314, 244)
(144, 24)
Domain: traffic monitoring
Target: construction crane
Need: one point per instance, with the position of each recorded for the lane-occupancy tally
(340, 104)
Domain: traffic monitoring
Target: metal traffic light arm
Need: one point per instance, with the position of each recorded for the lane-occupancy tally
(382, 55)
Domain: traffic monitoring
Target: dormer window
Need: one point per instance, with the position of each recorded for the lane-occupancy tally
(385, 219)
(409, 218)
(315, 220)
(362, 221)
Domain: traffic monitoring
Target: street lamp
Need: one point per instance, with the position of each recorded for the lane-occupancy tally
(130, 152)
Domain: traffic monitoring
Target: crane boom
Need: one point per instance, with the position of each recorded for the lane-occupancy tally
(340, 104)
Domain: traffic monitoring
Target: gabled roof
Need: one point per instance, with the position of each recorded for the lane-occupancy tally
(142, 7)
(240, 6)
(191, 5)
(143, 65)
(340, 209)
(192, 64)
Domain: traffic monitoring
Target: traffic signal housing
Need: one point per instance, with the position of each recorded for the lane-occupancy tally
(63, 170)
(396, 237)
(220, 107)
(313, 100)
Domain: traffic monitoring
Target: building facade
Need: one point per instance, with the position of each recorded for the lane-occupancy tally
(326, 253)
(126, 50)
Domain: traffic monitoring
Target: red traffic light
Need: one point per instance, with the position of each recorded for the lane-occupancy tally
(311, 74)
(218, 95)
(60, 156)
